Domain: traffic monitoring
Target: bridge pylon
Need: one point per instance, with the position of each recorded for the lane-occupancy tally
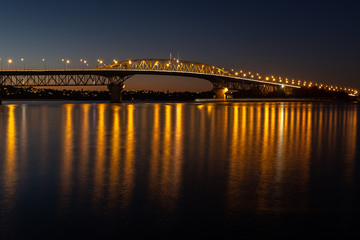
(116, 92)
(220, 93)
(116, 87)
(1, 92)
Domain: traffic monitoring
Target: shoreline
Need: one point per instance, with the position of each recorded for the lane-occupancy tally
(198, 100)
(272, 100)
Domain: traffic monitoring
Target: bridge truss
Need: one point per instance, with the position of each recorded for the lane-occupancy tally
(61, 78)
(119, 72)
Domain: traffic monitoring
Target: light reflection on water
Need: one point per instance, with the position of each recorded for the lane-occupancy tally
(155, 166)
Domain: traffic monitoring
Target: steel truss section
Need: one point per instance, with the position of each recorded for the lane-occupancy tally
(61, 80)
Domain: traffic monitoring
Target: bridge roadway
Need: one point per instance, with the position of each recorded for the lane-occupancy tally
(115, 75)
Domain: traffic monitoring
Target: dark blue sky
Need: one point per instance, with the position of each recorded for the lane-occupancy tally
(307, 40)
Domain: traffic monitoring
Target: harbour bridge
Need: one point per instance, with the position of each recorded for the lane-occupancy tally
(115, 75)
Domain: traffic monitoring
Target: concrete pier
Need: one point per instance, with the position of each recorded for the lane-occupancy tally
(1, 92)
(116, 92)
(220, 93)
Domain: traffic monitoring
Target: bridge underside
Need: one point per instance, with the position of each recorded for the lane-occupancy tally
(115, 80)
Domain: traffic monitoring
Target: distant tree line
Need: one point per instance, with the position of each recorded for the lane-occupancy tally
(304, 92)
(10, 92)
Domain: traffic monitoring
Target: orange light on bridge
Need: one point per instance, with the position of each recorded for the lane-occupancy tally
(267, 78)
(236, 73)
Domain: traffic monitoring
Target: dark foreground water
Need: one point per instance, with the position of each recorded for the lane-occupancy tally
(179, 170)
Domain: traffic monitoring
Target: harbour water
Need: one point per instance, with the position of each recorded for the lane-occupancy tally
(72, 170)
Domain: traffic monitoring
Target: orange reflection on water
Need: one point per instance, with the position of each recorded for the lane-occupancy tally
(84, 146)
(178, 155)
(100, 157)
(265, 134)
(66, 169)
(10, 166)
(154, 158)
(288, 134)
(129, 161)
(115, 155)
(236, 167)
(166, 161)
(166, 156)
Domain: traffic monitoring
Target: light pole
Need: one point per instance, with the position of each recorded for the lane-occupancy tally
(44, 63)
(66, 63)
(1, 63)
(100, 62)
(23, 62)
(84, 63)
(9, 62)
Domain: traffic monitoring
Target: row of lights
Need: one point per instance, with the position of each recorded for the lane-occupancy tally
(257, 76)
(237, 74)
(65, 61)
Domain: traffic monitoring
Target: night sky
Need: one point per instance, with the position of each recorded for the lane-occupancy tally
(308, 40)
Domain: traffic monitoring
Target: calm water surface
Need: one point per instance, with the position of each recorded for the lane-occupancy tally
(178, 170)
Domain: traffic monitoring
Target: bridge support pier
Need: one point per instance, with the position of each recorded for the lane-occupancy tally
(1, 92)
(220, 93)
(116, 92)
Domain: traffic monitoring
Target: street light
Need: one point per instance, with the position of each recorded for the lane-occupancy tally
(9, 62)
(23, 62)
(67, 62)
(100, 62)
(43, 60)
(84, 62)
